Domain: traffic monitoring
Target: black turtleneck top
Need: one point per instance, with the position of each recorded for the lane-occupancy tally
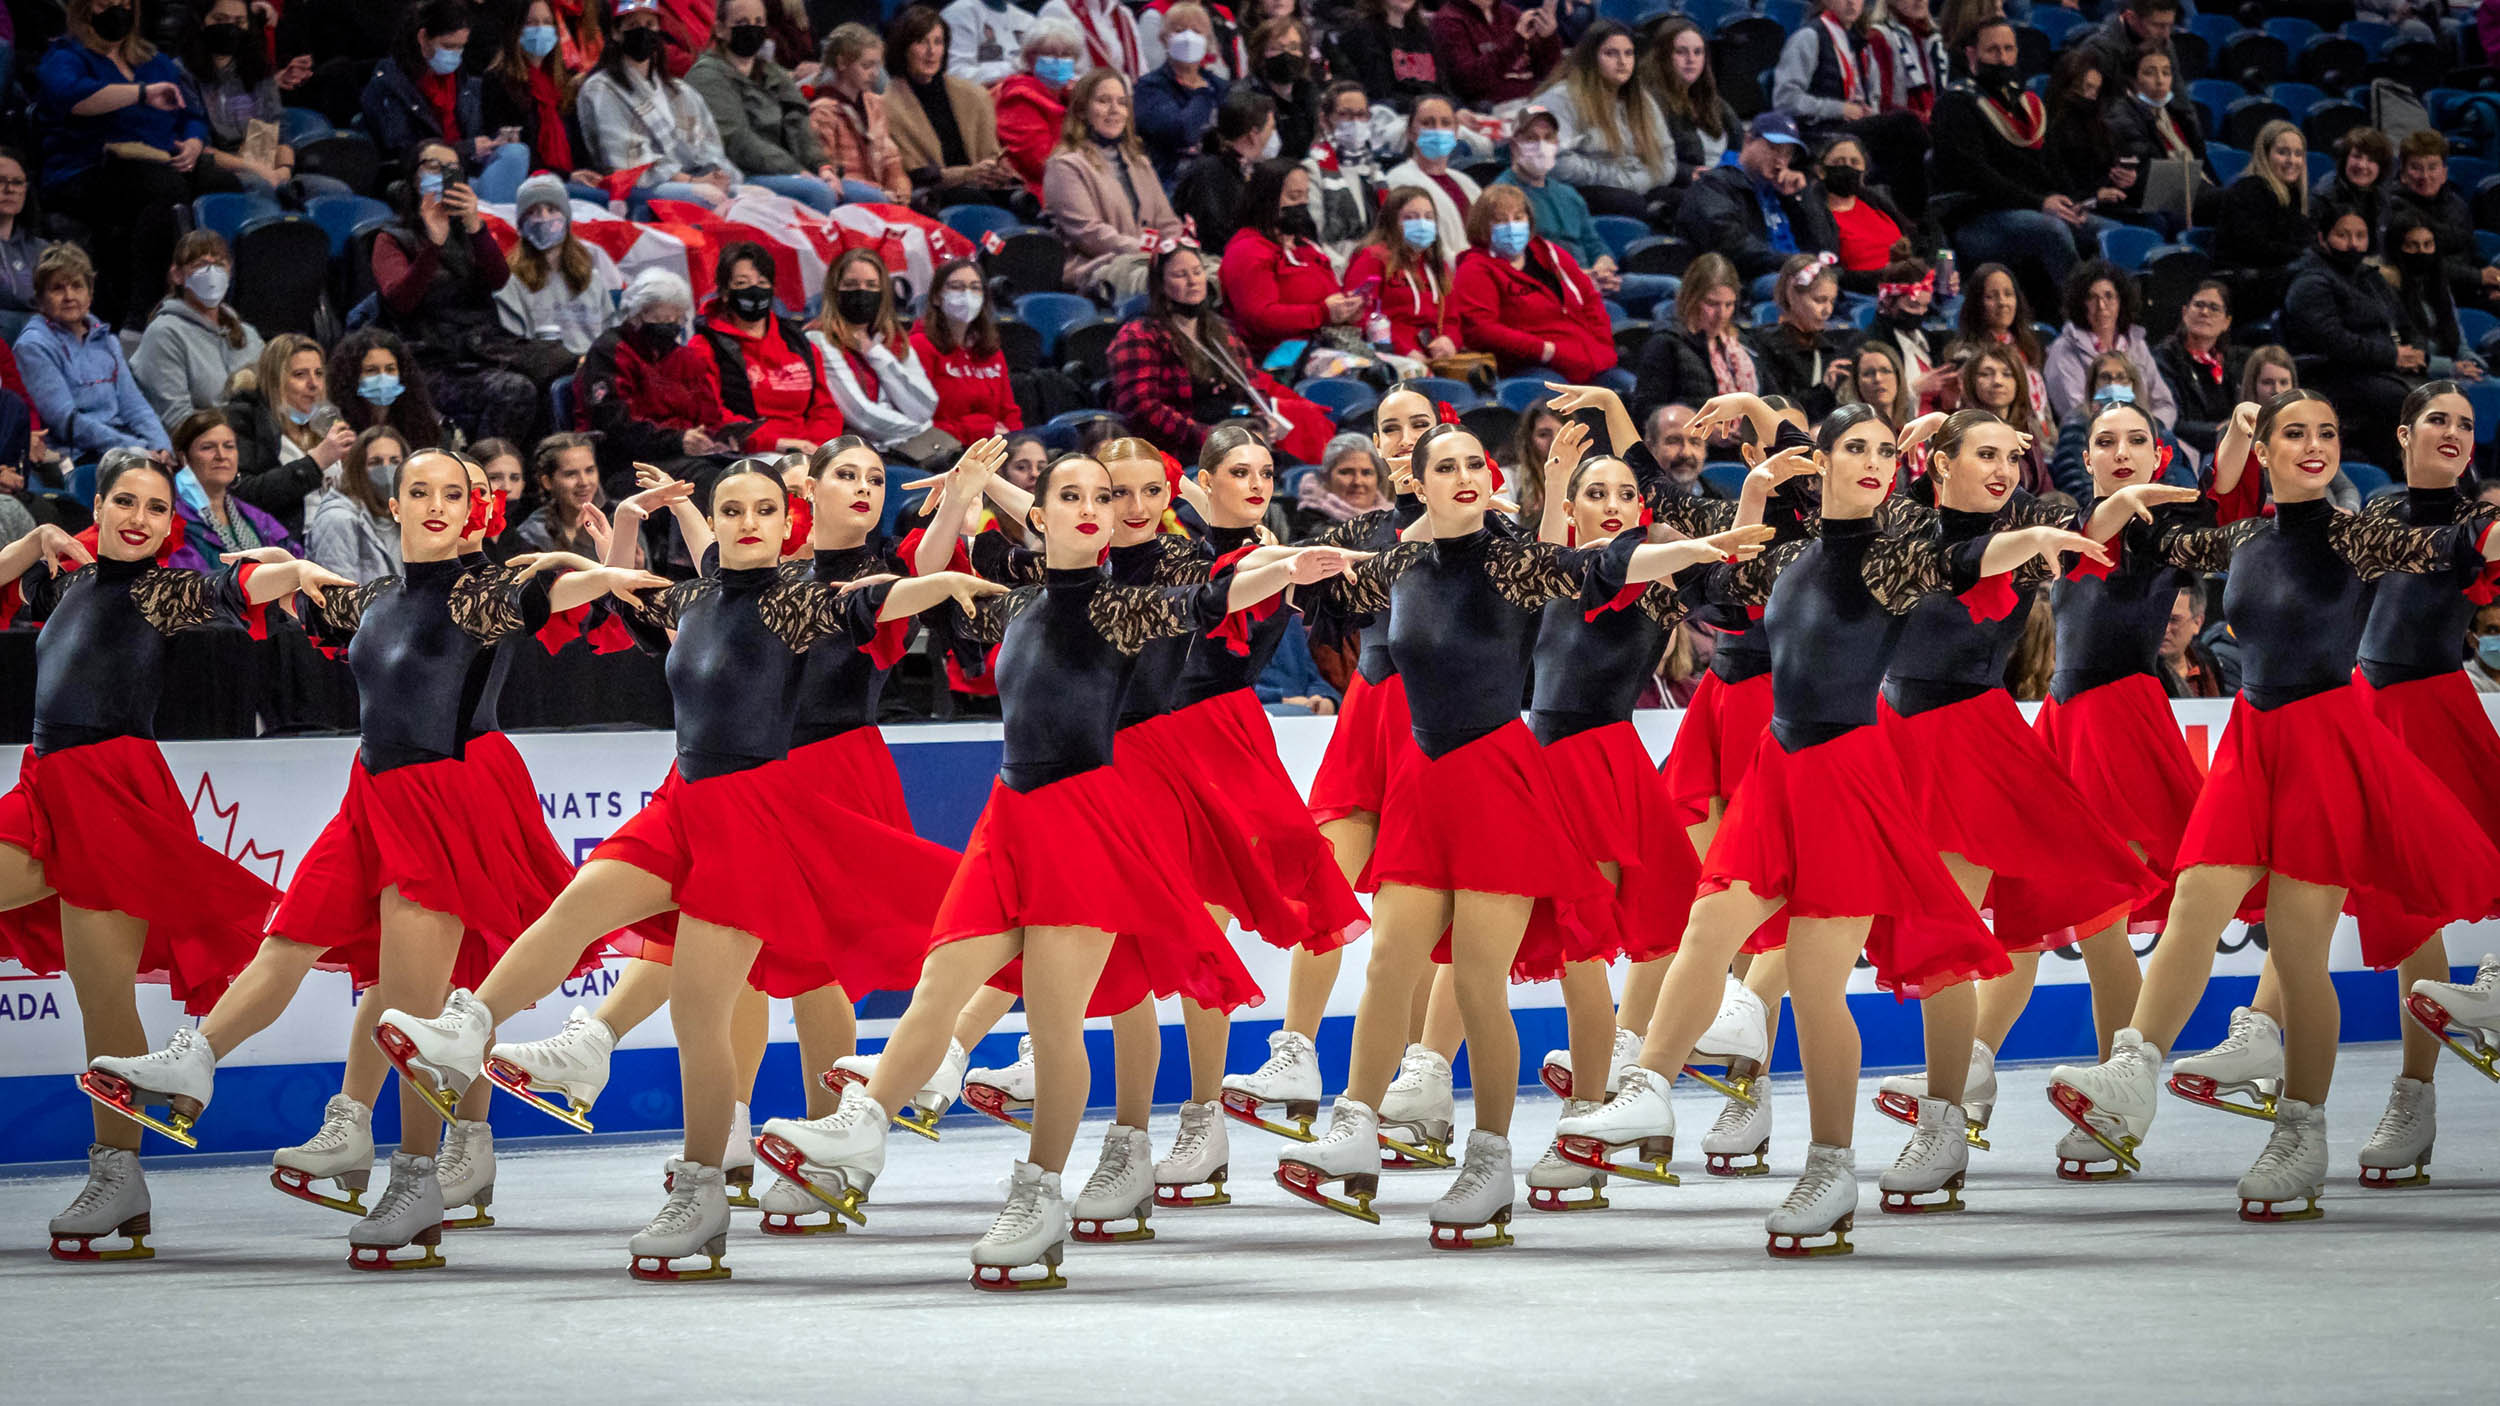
(736, 665)
(1594, 658)
(1946, 656)
(2417, 617)
(423, 648)
(1740, 652)
(1214, 668)
(2109, 627)
(839, 687)
(2298, 592)
(1165, 559)
(1375, 531)
(100, 660)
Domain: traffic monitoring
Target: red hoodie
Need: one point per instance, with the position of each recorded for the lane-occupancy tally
(775, 379)
(1029, 121)
(1409, 300)
(1275, 292)
(974, 398)
(1513, 314)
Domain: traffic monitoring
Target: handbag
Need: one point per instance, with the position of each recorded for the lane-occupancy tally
(1475, 368)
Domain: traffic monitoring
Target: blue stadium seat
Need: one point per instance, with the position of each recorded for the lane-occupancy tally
(1791, 14)
(1519, 392)
(342, 216)
(2228, 161)
(82, 481)
(2215, 30)
(1336, 394)
(973, 221)
(2371, 35)
(227, 211)
(2475, 325)
(2201, 238)
(297, 125)
(1131, 308)
(2293, 30)
(1710, 14)
(2483, 395)
(1631, 13)
(2056, 22)
(2297, 97)
(1460, 396)
(2214, 95)
(1061, 433)
(1618, 231)
(2487, 245)
(2126, 245)
(2369, 478)
(1726, 476)
(2469, 172)
(1051, 314)
(1765, 313)
(2321, 165)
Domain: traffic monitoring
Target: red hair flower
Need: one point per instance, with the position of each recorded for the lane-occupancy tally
(802, 525)
(1448, 412)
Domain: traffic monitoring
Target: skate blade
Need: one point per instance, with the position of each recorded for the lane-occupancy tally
(666, 1272)
(1557, 1199)
(514, 1080)
(2395, 1178)
(1308, 1182)
(915, 1119)
(1423, 1152)
(1906, 1203)
(1000, 1279)
(1455, 1237)
(779, 1223)
(1098, 1236)
(2069, 1169)
(1900, 1108)
(777, 1153)
(1741, 1077)
(1242, 1107)
(2206, 1093)
(115, 1093)
(476, 1219)
(989, 1099)
(300, 1186)
(743, 1201)
(1725, 1164)
(1175, 1195)
(2070, 1101)
(80, 1249)
(2266, 1214)
(1794, 1247)
(413, 1067)
(1656, 1153)
(2434, 1018)
(378, 1257)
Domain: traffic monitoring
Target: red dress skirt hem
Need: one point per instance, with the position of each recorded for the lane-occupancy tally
(2121, 746)
(113, 834)
(1821, 828)
(1715, 742)
(1620, 812)
(2442, 723)
(2320, 790)
(1984, 786)
(1373, 734)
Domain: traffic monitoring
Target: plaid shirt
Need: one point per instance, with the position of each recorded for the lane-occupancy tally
(1152, 389)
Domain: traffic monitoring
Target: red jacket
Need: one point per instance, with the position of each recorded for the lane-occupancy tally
(775, 379)
(974, 399)
(1029, 120)
(1512, 314)
(1275, 293)
(1411, 302)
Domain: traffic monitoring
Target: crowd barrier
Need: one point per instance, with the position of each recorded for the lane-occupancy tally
(262, 802)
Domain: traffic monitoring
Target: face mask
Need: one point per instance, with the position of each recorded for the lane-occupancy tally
(2487, 649)
(2115, 393)
(381, 476)
(961, 304)
(1998, 78)
(876, 81)
(444, 61)
(1435, 143)
(380, 388)
(113, 26)
(658, 339)
(1185, 46)
(1296, 220)
(1181, 309)
(430, 184)
(858, 306)
(208, 283)
(222, 40)
(752, 303)
(1844, 181)
(747, 40)
(1352, 138)
(1280, 69)
(2150, 101)
(1420, 232)
(1273, 145)
(1510, 238)
(1534, 159)
(1055, 70)
(544, 232)
(640, 45)
(538, 40)
(2343, 261)
(300, 417)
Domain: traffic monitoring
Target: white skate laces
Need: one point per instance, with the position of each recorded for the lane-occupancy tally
(109, 1171)
(339, 1121)
(2403, 1138)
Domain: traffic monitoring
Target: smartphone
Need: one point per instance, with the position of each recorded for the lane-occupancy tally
(508, 134)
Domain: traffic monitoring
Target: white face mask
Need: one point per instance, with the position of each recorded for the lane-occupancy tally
(961, 304)
(1186, 46)
(208, 283)
(1353, 138)
(1534, 158)
(1274, 145)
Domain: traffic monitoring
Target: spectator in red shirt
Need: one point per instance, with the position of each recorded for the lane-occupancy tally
(1494, 53)
(769, 371)
(1032, 105)
(651, 392)
(1405, 273)
(1275, 274)
(1525, 299)
(957, 341)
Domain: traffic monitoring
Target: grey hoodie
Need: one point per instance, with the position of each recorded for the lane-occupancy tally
(184, 360)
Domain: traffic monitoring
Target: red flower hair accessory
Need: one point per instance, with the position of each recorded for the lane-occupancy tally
(802, 525)
(1447, 412)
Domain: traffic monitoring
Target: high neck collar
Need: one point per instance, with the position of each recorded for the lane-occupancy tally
(2430, 507)
(1960, 525)
(424, 573)
(1841, 527)
(747, 578)
(111, 569)
(840, 557)
(2306, 515)
(1068, 577)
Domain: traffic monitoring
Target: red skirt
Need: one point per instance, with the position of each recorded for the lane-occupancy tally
(1984, 786)
(113, 834)
(1374, 733)
(2442, 723)
(1619, 811)
(1288, 874)
(834, 897)
(1488, 818)
(1822, 828)
(2121, 746)
(853, 770)
(1091, 852)
(2321, 790)
(1715, 744)
(464, 837)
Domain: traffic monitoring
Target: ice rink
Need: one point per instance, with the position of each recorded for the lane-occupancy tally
(2144, 1290)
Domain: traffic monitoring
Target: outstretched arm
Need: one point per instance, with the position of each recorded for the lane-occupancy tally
(2008, 550)
(1306, 566)
(47, 545)
(915, 594)
(1621, 431)
(2136, 500)
(576, 588)
(1659, 560)
(1765, 479)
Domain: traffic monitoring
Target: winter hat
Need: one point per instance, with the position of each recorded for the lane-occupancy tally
(542, 189)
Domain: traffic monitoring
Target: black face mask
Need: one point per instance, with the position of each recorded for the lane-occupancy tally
(2001, 80)
(1844, 181)
(2343, 261)
(747, 40)
(750, 304)
(113, 26)
(858, 306)
(1296, 220)
(222, 41)
(640, 45)
(657, 339)
(1281, 69)
(2420, 264)
(1181, 309)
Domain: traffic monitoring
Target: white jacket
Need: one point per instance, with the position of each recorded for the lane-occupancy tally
(904, 402)
(629, 122)
(1453, 223)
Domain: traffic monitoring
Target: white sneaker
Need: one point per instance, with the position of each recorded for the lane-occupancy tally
(465, 1172)
(2249, 1061)
(113, 1202)
(1348, 1153)
(1032, 1228)
(1823, 1202)
(1418, 1111)
(443, 1055)
(1640, 1116)
(180, 1078)
(2292, 1168)
(409, 1213)
(2403, 1137)
(572, 1062)
(1937, 1158)
(1288, 1080)
(1121, 1189)
(2112, 1101)
(1480, 1198)
(341, 1152)
(693, 1221)
(1201, 1156)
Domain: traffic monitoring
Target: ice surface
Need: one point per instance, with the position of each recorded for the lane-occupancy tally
(2144, 1290)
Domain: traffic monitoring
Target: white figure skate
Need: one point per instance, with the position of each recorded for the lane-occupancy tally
(785, 1202)
(1349, 1152)
(2292, 1168)
(1556, 1070)
(2465, 1018)
(2398, 1153)
(2249, 1061)
(1288, 1080)
(572, 1062)
(2113, 1101)
(1934, 1163)
(178, 1078)
(1121, 1189)
(409, 1213)
(1739, 1143)
(927, 1106)
(695, 1221)
(1555, 1174)
(1738, 1044)
(341, 1152)
(1479, 1200)
(2080, 1157)
(737, 1160)
(1418, 1112)
(1640, 1116)
(1004, 1093)
(113, 1202)
(1823, 1202)
(1032, 1228)
(837, 1157)
(442, 1056)
(1898, 1097)
(465, 1172)
(1201, 1156)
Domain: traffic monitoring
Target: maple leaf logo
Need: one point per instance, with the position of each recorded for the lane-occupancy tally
(217, 825)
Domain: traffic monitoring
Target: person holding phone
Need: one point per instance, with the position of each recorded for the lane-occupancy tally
(1491, 53)
(420, 92)
(437, 273)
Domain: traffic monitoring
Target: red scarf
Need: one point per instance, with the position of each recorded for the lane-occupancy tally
(550, 149)
(442, 93)
(1845, 52)
(1111, 37)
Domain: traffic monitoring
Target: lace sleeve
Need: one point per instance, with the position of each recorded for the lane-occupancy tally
(1365, 590)
(994, 558)
(342, 613)
(1901, 571)
(494, 603)
(1356, 533)
(1749, 583)
(2377, 545)
(1688, 513)
(1528, 573)
(1131, 617)
(987, 622)
(1185, 561)
(2206, 549)
(174, 601)
(802, 610)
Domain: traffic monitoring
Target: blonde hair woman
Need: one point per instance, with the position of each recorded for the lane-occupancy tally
(1100, 192)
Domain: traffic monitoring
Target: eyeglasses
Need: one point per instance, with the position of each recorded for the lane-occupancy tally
(2205, 305)
(8, 183)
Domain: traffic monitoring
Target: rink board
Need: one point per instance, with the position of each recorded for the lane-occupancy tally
(264, 801)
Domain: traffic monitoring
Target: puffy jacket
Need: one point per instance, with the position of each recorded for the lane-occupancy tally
(276, 476)
(775, 379)
(1275, 292)
(399, 116)
(2348, 321)
(1511, 313)
(641, 409)
(1721, 214)
(1029, 119)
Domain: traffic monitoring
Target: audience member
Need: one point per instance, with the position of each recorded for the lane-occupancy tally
(562, 291)
(1701, 123)
(1033, 103)
(957, 343)
(1348, 179)
(942, 124)
(2201, 367)
(437, 273)
(1524, 298)
(80, 388)
(636, 118)
(1403, 273)
(287, 438)
(1490, 53)
(1176, 103)
(771, 377)
(215, 520)
(848, 117)
(1431, 140)
(876, 376)
(1281, 71)
(1760, 209)
(195, 343)
(349, 527)
(1999, 196)
(1698, 354)
(529, 87)
(649, 391)
(2364, 157)
(763, 120)
(2188, 668)
(1388, 49)
(1101, 193)
(1274, 272)
(1867, 227)
(2102, 307)
(994, 37)
(2262, 225)
(565, 470)
(1802, 354)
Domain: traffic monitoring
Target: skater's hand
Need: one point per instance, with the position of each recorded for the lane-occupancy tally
(864, 582)
(265, 556)
(2139, 499)
(1570, 446)
(1917, 431)
(1798, 462)
(1568, 399)
(1315, 564)
(1723, 412)
(1739, 543)
(312, 578)
(54, 547)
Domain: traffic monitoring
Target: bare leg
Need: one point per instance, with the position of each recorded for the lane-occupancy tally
(21, 879)
(708, 974)
(1406, 922)
(606, 895)
(2003, 999)
(2428, 962)
(1136, 1049)
(2175, 980)
(100, 951)
(1418, 1005)
(982, 1011)
(1483, 943)
(1210, 1038)
(1445, 1026)
(2269, 997)
(828, 1030)
(1820, 953)
(948, 979)
(2300, 921)
(750, 1030)
(2109, 962)
(1589, 1020)
(418, 949)
(368, 1069)
(260, 994)
(1688, 1000)
(1060, 968)
(1351, 838)
(639, 992)
(1766, 976)
(1308, 982)
(1950, 1015)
